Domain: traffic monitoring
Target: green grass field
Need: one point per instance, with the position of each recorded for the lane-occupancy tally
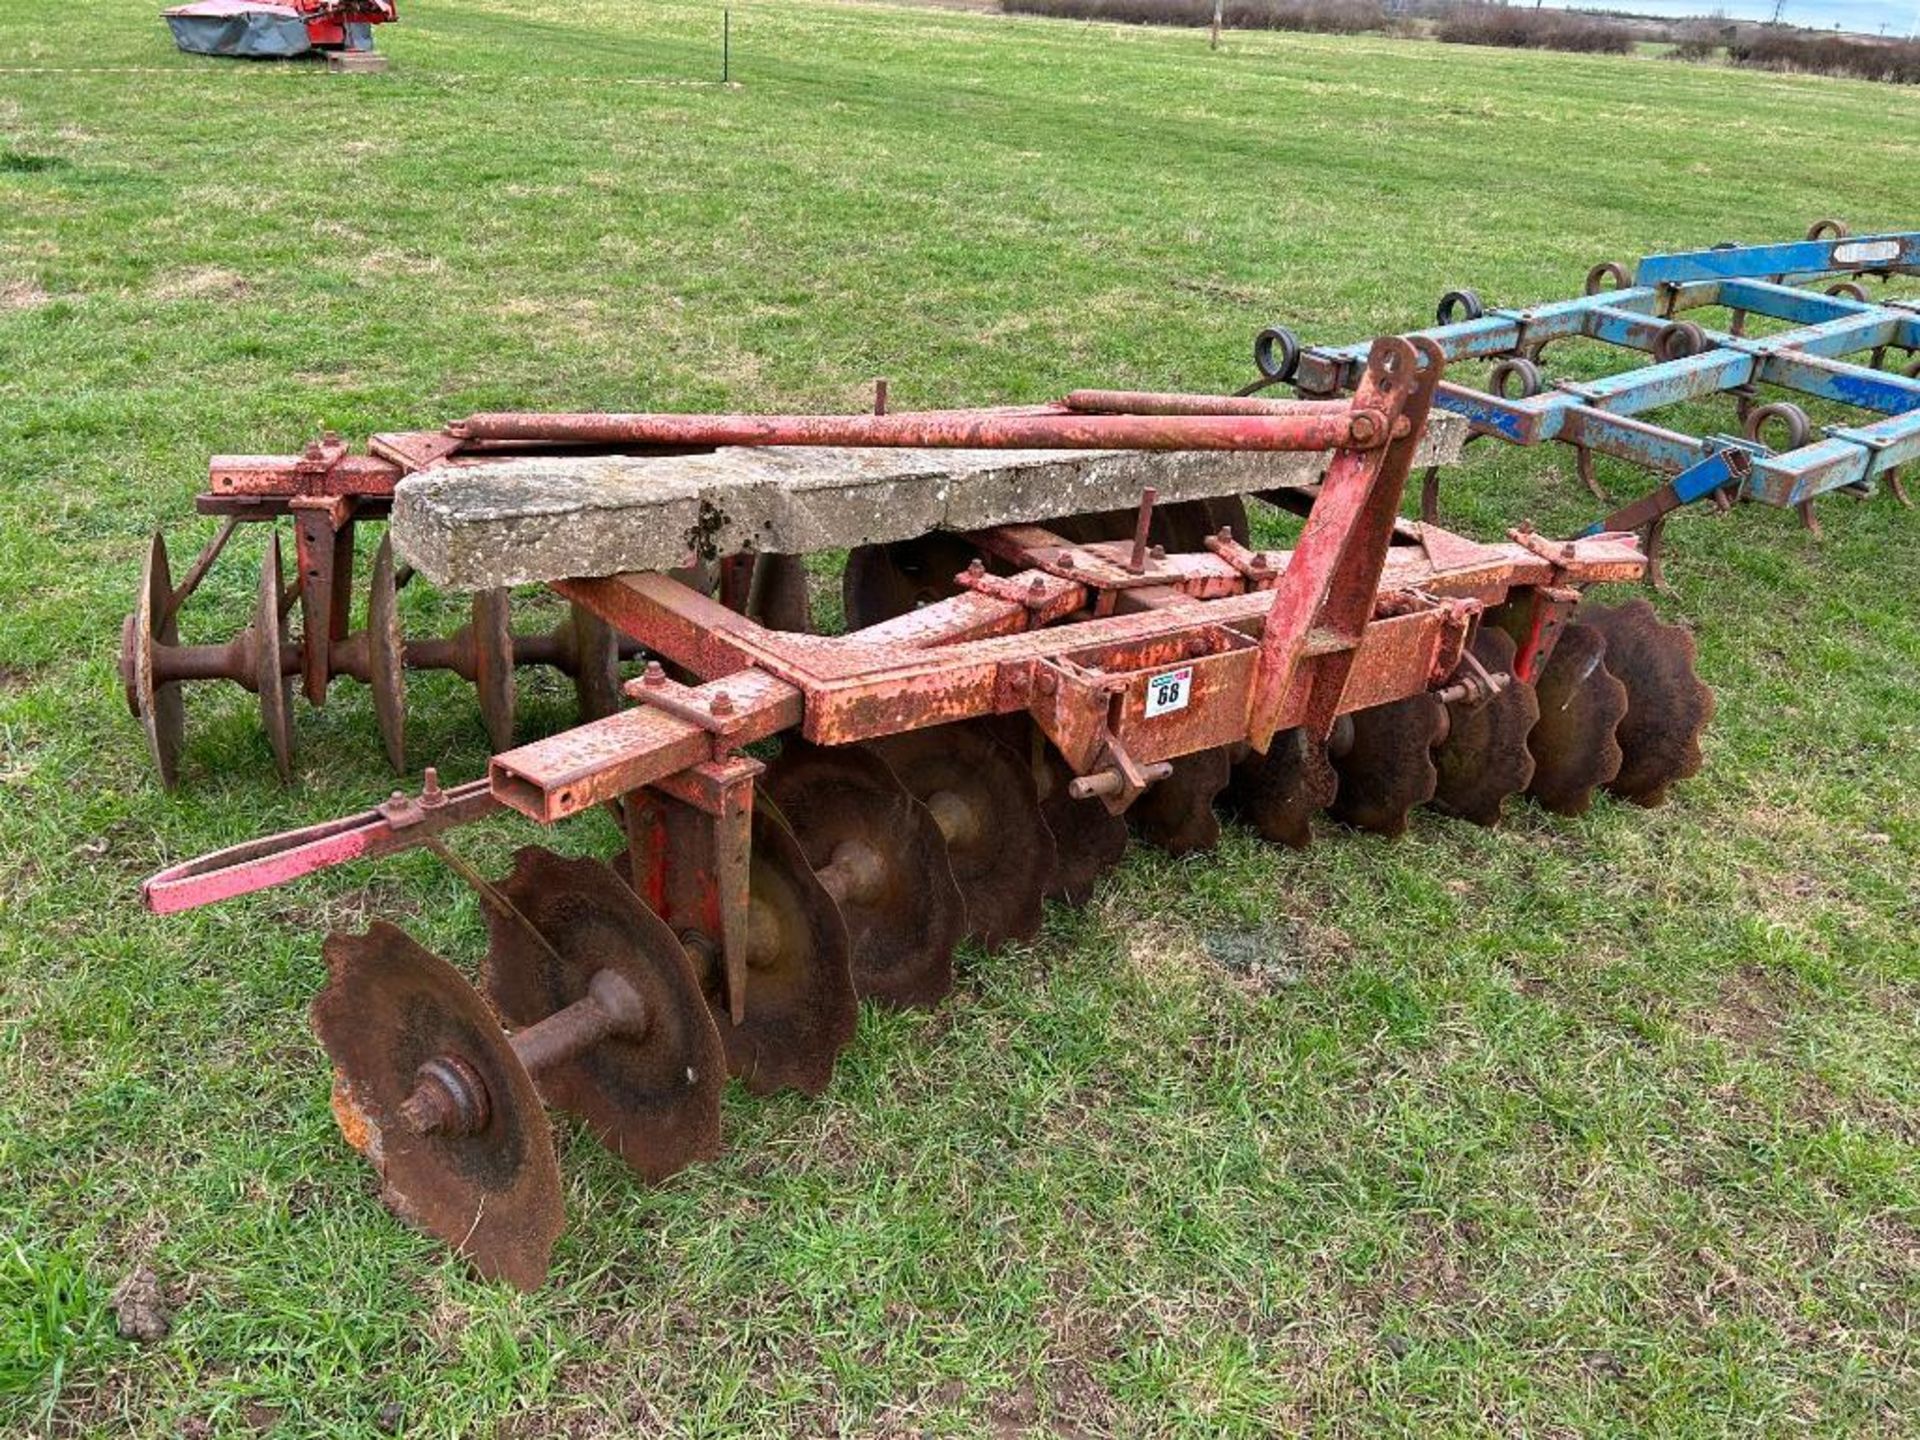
(1595, 1126)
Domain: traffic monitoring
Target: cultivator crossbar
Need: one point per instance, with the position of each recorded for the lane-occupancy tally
(1811, 293)
(1012, 697)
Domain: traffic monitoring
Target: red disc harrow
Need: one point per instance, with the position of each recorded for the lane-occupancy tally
(1013, 701)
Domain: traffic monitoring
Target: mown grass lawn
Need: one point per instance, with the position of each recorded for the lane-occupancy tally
(1599, 1126)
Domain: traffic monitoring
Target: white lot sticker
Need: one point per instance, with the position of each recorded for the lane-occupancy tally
(1169, 691)
(1866, 252)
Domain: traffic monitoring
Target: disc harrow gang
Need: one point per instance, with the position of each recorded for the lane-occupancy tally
(813, 820)
(486, 651)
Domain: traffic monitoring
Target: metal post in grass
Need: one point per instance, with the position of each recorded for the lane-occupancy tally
(1213, 41)
(726, 45)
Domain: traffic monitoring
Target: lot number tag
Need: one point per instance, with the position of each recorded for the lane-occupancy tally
(1169, 691)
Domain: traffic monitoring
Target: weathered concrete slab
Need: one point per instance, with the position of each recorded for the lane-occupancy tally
(513, 522)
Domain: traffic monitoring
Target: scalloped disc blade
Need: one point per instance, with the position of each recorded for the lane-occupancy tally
(1581, 706)
(1388, 768)
(1278, 793)
(270, 683)
(158, 704)
(801, 1008)
(1176, 814)
(882, 581)
(1668, 706)
(1485, 759)
(985, 802)
(386, 651)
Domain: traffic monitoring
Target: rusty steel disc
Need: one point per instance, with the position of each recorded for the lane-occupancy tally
(801, 1008)
(387, 656)
(985, 802)
(1088, 839)
(653, 1098)
(1581, 705)
(389, 1007)
(1176, 814)
(491, 635)
(779, 598)
(1668, 706)
(884, 860)
(1279, 792)
(882, 581)
(270, 682)
(1387, 768)
(801, 1005)
(596, 663)
(1485, 758)
(157, 703)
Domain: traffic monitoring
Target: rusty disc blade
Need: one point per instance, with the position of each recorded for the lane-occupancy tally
(985, 802)
(1279, 792)
(1088, 839)
(386, 652)
(1388, 768)
(801, 1005)
(274, 688)
(1485, 758)
(651, 1098)
(1581, 706)
(1668, 706)
(1176, 814)
(492, 640)
(882, 581)
(390, 1006)
(596, 663)
(779, 598)
(801, 1008)
(158, 704)
(885, 862)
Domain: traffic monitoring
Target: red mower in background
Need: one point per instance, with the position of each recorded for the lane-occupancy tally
(263, 30)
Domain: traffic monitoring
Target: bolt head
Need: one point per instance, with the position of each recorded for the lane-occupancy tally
(722, 704)
(1066, 562)
(653, 675)
(976, 568)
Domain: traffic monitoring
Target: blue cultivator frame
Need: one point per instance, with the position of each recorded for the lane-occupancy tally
(1810, 286)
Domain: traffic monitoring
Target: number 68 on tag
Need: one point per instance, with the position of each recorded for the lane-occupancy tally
(1169, 691)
